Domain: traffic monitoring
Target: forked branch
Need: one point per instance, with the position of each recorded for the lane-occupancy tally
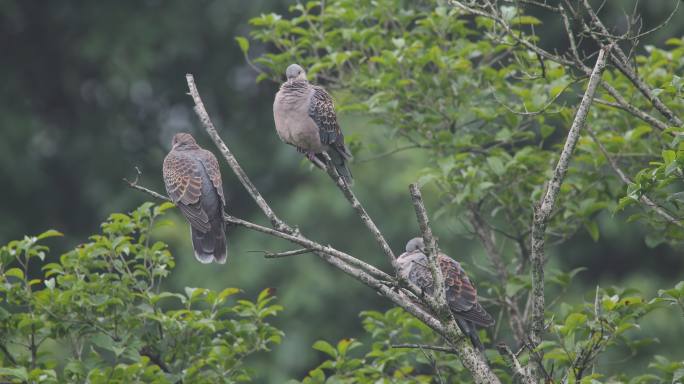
(369, 275)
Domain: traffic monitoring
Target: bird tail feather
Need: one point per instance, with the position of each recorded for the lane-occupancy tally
(468, 328)
(210, 246)
(339, 157)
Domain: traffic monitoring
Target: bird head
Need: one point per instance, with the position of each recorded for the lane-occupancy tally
(295, 72)
(183, 140)
(415, 244)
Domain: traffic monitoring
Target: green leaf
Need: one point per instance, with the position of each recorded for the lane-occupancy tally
(347, 344)
(243, 43)
(526, 20)
(669, 156)
(593, 229)
(496, 164)
(573, 321)
(15, 272)
(49, 233)
(226, 293)
(326, 348)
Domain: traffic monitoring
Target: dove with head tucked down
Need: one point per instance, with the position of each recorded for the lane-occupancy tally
(461, 294)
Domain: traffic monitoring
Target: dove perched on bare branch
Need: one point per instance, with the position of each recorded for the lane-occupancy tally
(193, 182)
(460, 292)
(305, 117)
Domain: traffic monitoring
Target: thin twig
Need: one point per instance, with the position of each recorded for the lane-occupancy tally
(275, 255)
(424, 346)
(513, 362)
(389, 153)
(134, 184)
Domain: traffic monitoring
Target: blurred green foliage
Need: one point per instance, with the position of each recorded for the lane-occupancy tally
(99, 314)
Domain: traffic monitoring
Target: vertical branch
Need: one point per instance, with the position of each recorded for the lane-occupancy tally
(469, 356)
(230, 159)
(542, 213)
(430, 245)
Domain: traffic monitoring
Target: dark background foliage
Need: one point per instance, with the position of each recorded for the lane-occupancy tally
(92, 90)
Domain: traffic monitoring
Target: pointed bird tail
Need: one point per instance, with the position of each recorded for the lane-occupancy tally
(212, 245)
(339, 156)
(468, 328)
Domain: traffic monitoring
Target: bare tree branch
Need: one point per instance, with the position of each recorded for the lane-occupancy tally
(542, 213)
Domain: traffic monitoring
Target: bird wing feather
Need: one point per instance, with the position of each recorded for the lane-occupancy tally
(211, 165)
(183, 182)
(460, 292)
(322, 112)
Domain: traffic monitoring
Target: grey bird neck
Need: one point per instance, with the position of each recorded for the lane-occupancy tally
(186, 147)
(293, 91)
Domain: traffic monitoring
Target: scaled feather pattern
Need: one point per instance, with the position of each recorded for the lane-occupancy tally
(193, 181)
